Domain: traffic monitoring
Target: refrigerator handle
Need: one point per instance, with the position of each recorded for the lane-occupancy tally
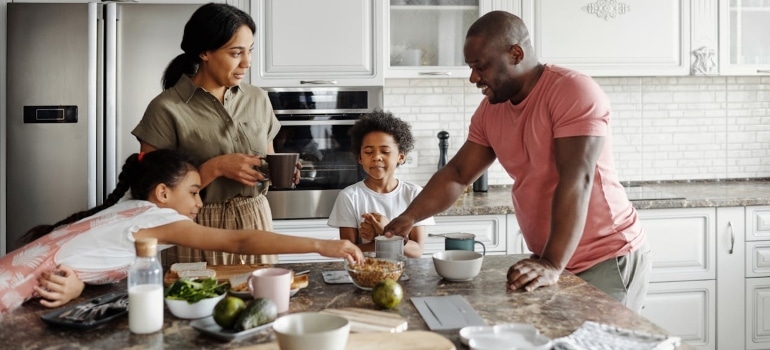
(110, 98)
(93, 112)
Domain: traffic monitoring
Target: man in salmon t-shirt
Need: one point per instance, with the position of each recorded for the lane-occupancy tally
(549, 128)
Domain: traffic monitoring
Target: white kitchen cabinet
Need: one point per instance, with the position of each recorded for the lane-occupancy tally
(704, 41)
(516, 243)
(318, 42)
(688, 246)
(730, 235)
(758, 223)
(758, 313)
(612, 38)
(682, 293)
(744, 47)
(758, 259)
(682, 243)
(684, 309)
(489, 230)
(757, 262)
(425, 37)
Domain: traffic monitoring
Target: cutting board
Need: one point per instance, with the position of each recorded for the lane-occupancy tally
(414, 340)
(224, 272)
(367, 321)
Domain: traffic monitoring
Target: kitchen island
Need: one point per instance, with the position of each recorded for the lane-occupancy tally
(556, 311)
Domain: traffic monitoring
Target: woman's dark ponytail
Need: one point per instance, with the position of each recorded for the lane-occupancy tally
(210, 27)
(182, 64)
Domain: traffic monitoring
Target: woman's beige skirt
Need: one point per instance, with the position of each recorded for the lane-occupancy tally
(237, 213)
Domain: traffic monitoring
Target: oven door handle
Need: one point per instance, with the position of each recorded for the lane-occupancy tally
(316, 122)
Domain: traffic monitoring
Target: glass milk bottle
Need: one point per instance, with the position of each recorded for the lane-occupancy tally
(145, 289)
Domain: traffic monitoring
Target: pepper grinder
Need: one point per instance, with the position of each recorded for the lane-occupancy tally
(443, 147)
(480, 185)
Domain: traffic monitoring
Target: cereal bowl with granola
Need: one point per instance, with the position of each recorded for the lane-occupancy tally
(366, 275)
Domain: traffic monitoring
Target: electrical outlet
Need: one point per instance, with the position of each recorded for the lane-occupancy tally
(411, 160)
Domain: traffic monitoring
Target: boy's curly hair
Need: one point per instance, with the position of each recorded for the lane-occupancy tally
(379, 120)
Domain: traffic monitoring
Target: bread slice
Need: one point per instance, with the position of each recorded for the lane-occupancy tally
(239, 282)
(193, 274)
(191, 270)
(300, 281)
(179, 267)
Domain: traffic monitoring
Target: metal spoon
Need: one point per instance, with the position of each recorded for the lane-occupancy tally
(437, 234)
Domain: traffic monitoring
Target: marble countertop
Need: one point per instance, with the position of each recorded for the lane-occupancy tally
(695, 194)
(556, 311)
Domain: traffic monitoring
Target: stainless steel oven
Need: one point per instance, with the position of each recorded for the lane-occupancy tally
(315, 123)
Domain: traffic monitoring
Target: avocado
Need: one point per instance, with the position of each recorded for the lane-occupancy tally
(257, 312)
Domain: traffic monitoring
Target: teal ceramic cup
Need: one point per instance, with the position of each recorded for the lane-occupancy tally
(462, 241)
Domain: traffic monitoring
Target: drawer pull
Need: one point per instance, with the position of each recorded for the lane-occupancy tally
(318, 82)
(732, 236)
(435, 73)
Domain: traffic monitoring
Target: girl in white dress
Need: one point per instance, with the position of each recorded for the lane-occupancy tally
(96, 246)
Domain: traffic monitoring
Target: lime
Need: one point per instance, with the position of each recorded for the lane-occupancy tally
(227, 310)
(387, 293)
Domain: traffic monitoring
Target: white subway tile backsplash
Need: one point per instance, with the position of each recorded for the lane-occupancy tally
(663, 128)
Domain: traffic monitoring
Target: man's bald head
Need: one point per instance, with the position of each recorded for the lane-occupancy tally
(500, 28)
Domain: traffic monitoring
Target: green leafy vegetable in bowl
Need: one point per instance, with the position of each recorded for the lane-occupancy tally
(195, 290)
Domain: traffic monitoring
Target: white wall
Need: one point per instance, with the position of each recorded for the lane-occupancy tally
(663, 128)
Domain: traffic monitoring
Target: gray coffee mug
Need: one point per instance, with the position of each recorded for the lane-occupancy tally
(462, 241)
(389, 248)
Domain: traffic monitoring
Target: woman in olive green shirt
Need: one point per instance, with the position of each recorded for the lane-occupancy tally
(207, 111)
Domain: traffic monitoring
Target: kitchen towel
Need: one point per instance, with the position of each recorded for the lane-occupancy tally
(597, 336)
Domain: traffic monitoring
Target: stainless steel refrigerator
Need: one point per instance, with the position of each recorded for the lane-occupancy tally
(79, 77)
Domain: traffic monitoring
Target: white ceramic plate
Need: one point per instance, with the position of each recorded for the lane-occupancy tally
(471, 331)
(520, 335)
(209, 327)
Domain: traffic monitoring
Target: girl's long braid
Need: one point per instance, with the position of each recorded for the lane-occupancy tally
(123, 185)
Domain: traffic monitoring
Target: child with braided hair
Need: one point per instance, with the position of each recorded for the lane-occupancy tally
(96, 246)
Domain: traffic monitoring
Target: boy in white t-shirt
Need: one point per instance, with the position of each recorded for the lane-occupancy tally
(380, 142)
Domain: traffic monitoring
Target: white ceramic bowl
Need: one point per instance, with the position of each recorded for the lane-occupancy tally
(466, 333)
(457, 265)
(504, 336)
(203, 308)
(311, 331)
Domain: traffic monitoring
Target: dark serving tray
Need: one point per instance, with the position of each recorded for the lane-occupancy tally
(54, 317)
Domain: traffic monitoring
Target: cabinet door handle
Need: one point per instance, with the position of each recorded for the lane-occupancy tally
(318, 82)
(763, 70)
(435, 73)
(732, 236)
